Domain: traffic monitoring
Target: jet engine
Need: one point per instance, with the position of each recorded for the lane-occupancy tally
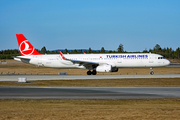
(106, 68)
(114, 69)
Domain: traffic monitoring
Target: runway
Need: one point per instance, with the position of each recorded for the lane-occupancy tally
(81, 77)
(89, 92)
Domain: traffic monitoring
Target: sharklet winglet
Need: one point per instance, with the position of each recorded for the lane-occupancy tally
(61, 54)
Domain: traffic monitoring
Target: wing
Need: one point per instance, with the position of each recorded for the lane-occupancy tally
(22, 59)
(87, 64)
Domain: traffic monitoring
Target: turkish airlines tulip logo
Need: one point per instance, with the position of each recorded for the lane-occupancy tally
(26, 48)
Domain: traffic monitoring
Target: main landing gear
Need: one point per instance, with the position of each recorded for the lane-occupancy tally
(152, 73)
(91, 73)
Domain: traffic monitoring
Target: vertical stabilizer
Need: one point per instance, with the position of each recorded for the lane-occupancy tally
(25, 46)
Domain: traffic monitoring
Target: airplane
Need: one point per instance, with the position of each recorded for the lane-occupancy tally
(93, 62)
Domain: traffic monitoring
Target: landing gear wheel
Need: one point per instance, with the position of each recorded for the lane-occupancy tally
(152, 73)
(94, 72)
(89, 72)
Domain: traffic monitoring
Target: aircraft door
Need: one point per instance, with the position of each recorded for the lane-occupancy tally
(151, 59)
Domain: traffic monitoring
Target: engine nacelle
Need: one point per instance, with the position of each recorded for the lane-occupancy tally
(114, 69)
(104, 68)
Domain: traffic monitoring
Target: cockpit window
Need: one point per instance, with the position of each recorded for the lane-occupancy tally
(160, 57)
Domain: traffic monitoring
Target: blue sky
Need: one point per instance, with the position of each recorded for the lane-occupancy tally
(80, 24)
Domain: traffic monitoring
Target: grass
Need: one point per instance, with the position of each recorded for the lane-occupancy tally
(142, 109)
(122, 71)
(101, 82)
(43, 70)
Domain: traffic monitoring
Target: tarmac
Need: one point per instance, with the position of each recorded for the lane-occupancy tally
(81, 77)
(89, 92)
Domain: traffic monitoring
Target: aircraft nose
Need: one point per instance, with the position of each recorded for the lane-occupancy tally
(168, 62)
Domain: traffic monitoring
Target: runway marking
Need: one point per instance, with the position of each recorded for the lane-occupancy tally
(164, 93)
(45, 87)
(126, 87)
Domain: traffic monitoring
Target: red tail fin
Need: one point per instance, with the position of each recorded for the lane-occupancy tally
(25, 46)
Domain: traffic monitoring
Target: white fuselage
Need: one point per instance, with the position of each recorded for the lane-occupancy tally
(132, 60)
(94, 62)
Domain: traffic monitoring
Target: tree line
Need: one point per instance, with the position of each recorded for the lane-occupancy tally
(166, 52)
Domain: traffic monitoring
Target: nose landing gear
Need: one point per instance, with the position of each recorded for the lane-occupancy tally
(151, 72)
